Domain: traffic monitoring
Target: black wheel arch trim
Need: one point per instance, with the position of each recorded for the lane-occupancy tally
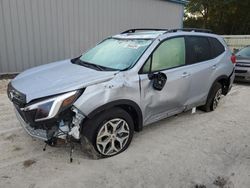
(217, 80)
(221, 77)
(119, 103)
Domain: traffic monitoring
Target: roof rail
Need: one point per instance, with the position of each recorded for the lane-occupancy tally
(189, 30)
(143, 29)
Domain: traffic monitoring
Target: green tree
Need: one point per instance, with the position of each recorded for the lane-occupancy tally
(222, 16)
(200, 8)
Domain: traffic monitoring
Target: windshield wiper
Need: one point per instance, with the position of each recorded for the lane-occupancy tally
(78, 61)
(87, 64)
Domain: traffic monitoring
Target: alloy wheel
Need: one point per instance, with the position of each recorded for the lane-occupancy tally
(217, 98)
(112, 137)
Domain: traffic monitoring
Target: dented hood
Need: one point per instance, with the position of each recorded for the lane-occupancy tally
(56, 78)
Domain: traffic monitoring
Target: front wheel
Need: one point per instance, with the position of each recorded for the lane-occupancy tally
(110, 132)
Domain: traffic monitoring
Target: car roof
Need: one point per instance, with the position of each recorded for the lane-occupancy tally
(155, 33)
(140, 35)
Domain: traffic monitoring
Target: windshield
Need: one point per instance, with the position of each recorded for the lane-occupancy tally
(116, 54)
(245, 52)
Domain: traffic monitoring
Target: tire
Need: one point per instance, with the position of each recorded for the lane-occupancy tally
(213, 97)
(108, 133)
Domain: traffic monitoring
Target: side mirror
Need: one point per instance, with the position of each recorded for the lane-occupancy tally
(159, 80)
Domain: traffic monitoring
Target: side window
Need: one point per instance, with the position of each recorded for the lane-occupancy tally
(146, 67)
(217, 47)
(198, 49)
(171, 53)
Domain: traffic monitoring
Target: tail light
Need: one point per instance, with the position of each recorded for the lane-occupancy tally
(233, 59)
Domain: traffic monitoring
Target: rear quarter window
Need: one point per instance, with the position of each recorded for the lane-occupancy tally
(198, 49)
(217, 47)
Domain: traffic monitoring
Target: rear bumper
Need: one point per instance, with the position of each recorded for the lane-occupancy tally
(36, 133)
(241, 79)
(242, 74)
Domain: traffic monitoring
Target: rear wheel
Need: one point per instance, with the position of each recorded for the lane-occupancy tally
(216, 99)
(109, 133)
(213, 98)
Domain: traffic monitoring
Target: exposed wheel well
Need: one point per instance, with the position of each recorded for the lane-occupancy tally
(225, 82)
(132, 112)
(129, 106)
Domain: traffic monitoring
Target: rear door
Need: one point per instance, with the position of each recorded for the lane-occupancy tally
(201, 65)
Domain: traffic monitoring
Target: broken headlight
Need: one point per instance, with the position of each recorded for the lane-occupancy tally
(49, 108)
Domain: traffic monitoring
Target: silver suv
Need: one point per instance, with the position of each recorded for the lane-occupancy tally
(124, 83)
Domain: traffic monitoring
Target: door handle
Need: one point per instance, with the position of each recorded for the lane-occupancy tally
(185, 74)
(214, 67)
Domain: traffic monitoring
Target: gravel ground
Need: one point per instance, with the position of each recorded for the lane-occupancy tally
(200, 150)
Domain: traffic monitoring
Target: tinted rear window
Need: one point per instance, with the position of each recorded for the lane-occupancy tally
(198, 49)
(217, 47)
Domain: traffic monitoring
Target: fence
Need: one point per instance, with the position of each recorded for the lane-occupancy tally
(237, 41)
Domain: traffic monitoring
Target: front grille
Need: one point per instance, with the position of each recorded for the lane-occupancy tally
(27, 116)
(16, 97)
(21, 113)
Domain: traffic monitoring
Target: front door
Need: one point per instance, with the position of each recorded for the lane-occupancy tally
(168, 59)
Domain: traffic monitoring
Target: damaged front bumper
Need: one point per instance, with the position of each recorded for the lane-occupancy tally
(62, 130)
(36, 133)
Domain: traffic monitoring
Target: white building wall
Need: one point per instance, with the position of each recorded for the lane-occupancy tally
(35, 32)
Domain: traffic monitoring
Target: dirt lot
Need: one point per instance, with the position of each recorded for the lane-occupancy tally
(199, 150)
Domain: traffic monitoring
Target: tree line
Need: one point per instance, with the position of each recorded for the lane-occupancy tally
(227, 17)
